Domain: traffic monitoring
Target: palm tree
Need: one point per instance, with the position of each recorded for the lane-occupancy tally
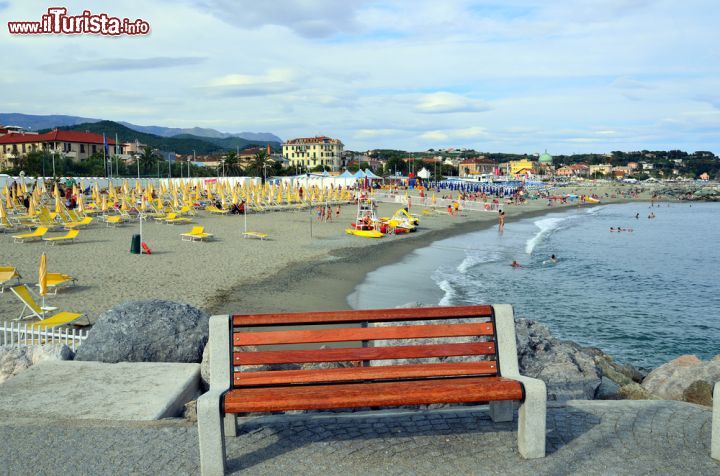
(259, 164)
(232, 162)
(147, 158)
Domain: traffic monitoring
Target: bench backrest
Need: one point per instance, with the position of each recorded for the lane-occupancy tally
(385, 353)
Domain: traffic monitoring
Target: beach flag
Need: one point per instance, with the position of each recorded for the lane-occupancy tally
(105, 144)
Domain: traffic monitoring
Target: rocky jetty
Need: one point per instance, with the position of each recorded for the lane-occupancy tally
(15, 359)
(147, 331)
(686, 378)
(709, 191)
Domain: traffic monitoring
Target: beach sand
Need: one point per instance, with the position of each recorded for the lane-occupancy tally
(290, 271)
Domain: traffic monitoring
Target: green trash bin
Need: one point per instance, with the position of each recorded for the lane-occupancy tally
(135, 244)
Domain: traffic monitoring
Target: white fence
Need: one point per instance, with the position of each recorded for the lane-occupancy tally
(442, 203)
(16, 333)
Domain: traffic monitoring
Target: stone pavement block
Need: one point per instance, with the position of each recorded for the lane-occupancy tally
(100, 391)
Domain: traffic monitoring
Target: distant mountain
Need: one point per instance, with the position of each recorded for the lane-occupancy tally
(203, 132)
(181, 145)
(34, 123)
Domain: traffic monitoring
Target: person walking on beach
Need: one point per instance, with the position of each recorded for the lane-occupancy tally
(501, 220)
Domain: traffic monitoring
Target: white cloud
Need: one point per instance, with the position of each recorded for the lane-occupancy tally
(434, 136)
(307, 18)
(275, 81)
(444, 102)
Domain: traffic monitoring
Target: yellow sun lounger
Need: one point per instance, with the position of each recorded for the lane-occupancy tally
(37, 234)
(196, 234)
(56, 281)
(7, 274)
(255, 234)
(67, 238)
(113, 220)
(78, 224)
(173, 219)
(34, 310)
(216, 210)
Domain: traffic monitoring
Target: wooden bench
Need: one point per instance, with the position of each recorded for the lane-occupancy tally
(488, 373)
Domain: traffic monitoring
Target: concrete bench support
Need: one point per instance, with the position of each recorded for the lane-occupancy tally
(715, 438)
(532, 412)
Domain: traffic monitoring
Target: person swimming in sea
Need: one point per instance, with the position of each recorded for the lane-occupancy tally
(515, 264)
(553, 259)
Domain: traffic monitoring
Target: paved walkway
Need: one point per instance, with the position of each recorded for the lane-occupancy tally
(626, 437)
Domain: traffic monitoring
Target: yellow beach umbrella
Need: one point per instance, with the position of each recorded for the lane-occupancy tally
(142, 203)
(31, 208)
(80, 203)
(8, 200)
(58, 204)
(3, 213)
(104, 204)
(42, 275)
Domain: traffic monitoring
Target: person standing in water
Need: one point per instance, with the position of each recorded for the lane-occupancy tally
(501, 220)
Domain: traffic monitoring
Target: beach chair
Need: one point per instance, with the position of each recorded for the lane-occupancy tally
(23, 293)
(174, 219)
(5, 225)
(216, 210)
(35, 235)
(7, 274)
(56, 281)
(69, 237)
(254, 234)
(196, 234)
(78, 224)
(113, 220)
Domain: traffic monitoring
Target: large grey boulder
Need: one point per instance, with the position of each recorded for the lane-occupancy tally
(568, 370)
(15, 359)
(673, 381)
(147, 331)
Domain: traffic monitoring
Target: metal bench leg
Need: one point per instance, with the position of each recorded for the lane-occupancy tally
(531, 419)
(211, 435)
(501, 411)
(230, 424)
(715, 438)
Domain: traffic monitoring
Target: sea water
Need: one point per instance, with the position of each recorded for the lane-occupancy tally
(645, 295)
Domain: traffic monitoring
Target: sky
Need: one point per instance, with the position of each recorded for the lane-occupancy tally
(497, 76)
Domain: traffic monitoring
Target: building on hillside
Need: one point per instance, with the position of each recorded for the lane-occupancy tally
(73, 144)
(575, 170)
(477, 166)
(620, 172)
(604, 169)
(633, 165)
(520, 167)
(310, 152)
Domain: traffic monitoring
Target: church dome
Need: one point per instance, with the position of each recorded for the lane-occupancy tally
(545, 158)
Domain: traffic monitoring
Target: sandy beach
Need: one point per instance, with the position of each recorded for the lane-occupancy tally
(290, 271)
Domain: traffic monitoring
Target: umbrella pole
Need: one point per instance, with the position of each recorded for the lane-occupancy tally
(141, 239)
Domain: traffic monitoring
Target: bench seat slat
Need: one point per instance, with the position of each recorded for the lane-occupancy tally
(362, 353)
(360, 333)
(372, 315)
(387, 372)
(318, 397)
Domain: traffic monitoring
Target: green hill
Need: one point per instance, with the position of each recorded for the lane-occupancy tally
(230, 143)
(184, 144)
